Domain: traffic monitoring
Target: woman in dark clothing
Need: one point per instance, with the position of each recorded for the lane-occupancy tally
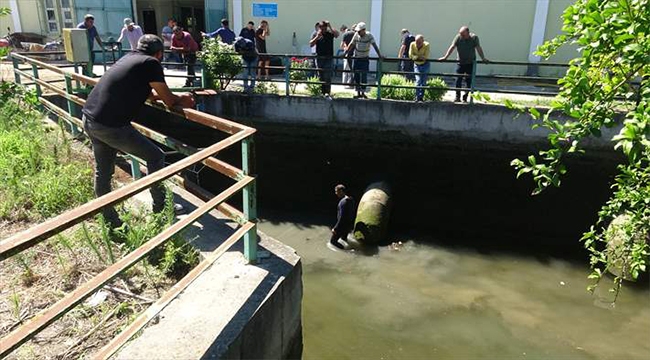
(260, 42)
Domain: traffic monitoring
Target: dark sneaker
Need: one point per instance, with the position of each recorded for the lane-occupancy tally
(465, 97)
(457, 99)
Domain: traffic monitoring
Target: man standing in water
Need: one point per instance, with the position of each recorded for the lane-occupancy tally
(344, 218)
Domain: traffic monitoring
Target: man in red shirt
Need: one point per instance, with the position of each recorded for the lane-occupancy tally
(184, 44)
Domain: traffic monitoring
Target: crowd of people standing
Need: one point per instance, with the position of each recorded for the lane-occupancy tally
(356, 43)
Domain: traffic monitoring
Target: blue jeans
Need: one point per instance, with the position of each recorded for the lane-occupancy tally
(360, 67)
(106, 141)
(421, 75)
(406, 65)
(249, 72)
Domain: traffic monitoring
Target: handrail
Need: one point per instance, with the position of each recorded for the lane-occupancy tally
(244, 182)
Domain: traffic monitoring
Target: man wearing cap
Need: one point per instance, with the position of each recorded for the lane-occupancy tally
(183, 43)
(360, 44)
(114, 103)
(227, 36)
(132, 33)
(93, 34)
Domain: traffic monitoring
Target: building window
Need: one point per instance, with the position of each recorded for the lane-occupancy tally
(50, 14)
(66, 14)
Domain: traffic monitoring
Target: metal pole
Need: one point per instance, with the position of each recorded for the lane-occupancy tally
(379, 76)
(16, 75)
(250, 200)
(287, 77)
(135, 167)
(38, 87)
(76, 71)
(104, 58)
(72, 110)
(473, 77)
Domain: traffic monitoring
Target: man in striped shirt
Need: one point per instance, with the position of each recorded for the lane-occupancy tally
(360, 44)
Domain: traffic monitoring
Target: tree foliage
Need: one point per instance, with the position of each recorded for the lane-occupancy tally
(611, 72)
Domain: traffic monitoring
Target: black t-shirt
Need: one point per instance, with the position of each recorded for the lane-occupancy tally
(123, 89)
(345, 215)
(407, 40)
(247, 33)
(325, 45)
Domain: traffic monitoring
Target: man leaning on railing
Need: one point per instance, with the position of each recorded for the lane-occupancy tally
(467, 44)
(419, 53)
(114, 103)
(360, 44)
(183, 43)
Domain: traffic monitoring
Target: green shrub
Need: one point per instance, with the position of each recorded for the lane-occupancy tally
(436, 89)
(298, 72)
(314, 89)
(220, 60)
(176, 257)
(263, 87)
(395, 93)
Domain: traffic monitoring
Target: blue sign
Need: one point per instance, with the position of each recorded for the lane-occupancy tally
(267, 10)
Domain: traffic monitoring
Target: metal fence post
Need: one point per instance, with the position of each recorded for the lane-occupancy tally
(379, 76)
(72, 110)
(16, 75)
(250, 200)
(135, 167)
(473, 79)
(38, 87)
(287, 75)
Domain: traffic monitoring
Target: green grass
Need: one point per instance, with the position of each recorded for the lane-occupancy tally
(40, 177)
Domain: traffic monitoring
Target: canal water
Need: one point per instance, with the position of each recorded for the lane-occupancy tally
(432, 301)
(486, 269)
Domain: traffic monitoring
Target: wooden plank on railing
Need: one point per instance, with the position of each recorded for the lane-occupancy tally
(143, 319)
(82, 78)
(46, 317)
(227, 126)
(34, 235)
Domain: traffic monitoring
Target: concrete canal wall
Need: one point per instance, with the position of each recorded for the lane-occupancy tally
(440, 120)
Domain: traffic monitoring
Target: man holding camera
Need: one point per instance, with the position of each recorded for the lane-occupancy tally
(323, 39)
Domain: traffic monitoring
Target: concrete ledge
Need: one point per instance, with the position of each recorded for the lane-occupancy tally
(484, 122)
(233, 310)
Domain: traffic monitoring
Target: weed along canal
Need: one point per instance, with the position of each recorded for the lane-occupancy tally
(473, 265)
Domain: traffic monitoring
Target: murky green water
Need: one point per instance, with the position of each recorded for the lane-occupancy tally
(434, 302)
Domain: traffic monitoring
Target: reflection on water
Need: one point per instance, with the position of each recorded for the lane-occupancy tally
(428, 301)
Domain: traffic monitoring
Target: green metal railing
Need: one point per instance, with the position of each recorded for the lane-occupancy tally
(244, 181)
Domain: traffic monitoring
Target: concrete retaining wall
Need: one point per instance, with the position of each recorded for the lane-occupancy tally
(233, 310)
(484, 122)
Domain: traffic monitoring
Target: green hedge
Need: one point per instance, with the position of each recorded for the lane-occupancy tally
(436, 89)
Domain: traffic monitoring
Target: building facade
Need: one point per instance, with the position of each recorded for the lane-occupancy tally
(509, 30)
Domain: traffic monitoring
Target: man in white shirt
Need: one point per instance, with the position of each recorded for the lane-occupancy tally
(132, 32)
(360, 44)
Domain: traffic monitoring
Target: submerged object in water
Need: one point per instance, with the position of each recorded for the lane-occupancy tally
(616, 236)
(371, 224)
